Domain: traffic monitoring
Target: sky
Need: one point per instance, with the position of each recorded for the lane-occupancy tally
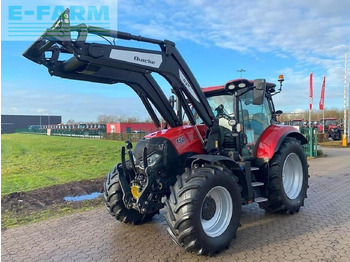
(216, 38)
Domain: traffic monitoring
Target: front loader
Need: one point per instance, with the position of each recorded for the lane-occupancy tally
(230, 153)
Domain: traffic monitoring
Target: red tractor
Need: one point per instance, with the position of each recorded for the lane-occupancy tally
(231, 152)
(331, 127)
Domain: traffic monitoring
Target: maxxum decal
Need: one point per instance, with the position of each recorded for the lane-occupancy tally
(188, 85)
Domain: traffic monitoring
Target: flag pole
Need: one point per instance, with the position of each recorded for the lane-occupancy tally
(310, 98)
(322, 100)
(310, 118)
(344, 140)
(323, 120)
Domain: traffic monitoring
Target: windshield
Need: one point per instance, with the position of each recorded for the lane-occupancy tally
(216, 103)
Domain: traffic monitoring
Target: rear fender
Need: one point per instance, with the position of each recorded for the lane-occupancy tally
(272, 138)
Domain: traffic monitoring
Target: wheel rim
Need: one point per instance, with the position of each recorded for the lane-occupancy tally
(215, 222)
(292, 176)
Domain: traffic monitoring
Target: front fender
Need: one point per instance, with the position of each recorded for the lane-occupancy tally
(216, 159)
(272, 138)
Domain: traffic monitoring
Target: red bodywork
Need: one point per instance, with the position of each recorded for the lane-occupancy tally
(212, 88)
(271, 139)
(184, 138)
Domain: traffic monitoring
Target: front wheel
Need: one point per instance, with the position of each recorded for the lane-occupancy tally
(336, 135)
(288, 179)
(203, 209)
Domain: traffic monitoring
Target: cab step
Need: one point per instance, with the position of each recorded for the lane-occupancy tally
(255, 184)
(260, 199)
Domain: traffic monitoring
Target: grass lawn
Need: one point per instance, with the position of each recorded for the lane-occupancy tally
(35, 161)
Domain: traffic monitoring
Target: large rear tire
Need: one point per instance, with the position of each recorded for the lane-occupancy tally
(288, 179)
(113, 199)
(336, 135)
(203, 209)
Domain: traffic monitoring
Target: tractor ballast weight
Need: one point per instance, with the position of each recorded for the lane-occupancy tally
(232, 152)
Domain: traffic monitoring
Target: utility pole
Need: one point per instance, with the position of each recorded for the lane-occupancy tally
(348, 115)
(345, 136)
(241, 71)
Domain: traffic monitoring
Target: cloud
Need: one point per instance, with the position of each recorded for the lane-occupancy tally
(14, 109)
(314, 34)
(300, 28)
(298, 110)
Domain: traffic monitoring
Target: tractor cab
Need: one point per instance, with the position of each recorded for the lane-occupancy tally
(245, 110)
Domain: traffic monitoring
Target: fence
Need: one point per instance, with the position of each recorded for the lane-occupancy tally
(134, 137)
(63, 132)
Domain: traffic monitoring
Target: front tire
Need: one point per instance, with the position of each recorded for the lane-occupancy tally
(203, 209)
(288, 179)
(113, 199)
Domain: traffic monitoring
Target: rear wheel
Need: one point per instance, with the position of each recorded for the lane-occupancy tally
(203, 209)
(288, 179)
(113, 199)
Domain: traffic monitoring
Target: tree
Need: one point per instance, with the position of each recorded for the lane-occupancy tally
(71, 122)
(104, 119)
(131, 119)
(316, 115)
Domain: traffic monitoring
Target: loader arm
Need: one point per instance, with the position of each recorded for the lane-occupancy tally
(110, 63)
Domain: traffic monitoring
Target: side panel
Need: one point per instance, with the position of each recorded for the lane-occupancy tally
(272, 138)
(184, 138)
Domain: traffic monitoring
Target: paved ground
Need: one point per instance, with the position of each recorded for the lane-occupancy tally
(319, 232)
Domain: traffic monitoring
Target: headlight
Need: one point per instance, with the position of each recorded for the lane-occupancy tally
(151, 160)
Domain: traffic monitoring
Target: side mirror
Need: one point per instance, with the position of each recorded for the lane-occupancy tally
(279, 112)
(259, 91)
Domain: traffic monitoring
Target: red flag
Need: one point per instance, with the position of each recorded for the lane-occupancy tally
(322, 93)
(310, 93)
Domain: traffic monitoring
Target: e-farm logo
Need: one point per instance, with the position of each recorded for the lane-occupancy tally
(25, 21)
(77, 13)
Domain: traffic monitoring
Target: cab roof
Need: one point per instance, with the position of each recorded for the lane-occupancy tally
(234, 81)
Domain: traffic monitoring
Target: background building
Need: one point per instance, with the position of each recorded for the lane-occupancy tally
(9, 123)
(131, 128)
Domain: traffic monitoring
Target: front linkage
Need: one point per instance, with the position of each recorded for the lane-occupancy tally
(141, 191)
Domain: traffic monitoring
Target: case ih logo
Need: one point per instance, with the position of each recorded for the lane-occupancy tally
(146, 61)
(180, 140)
